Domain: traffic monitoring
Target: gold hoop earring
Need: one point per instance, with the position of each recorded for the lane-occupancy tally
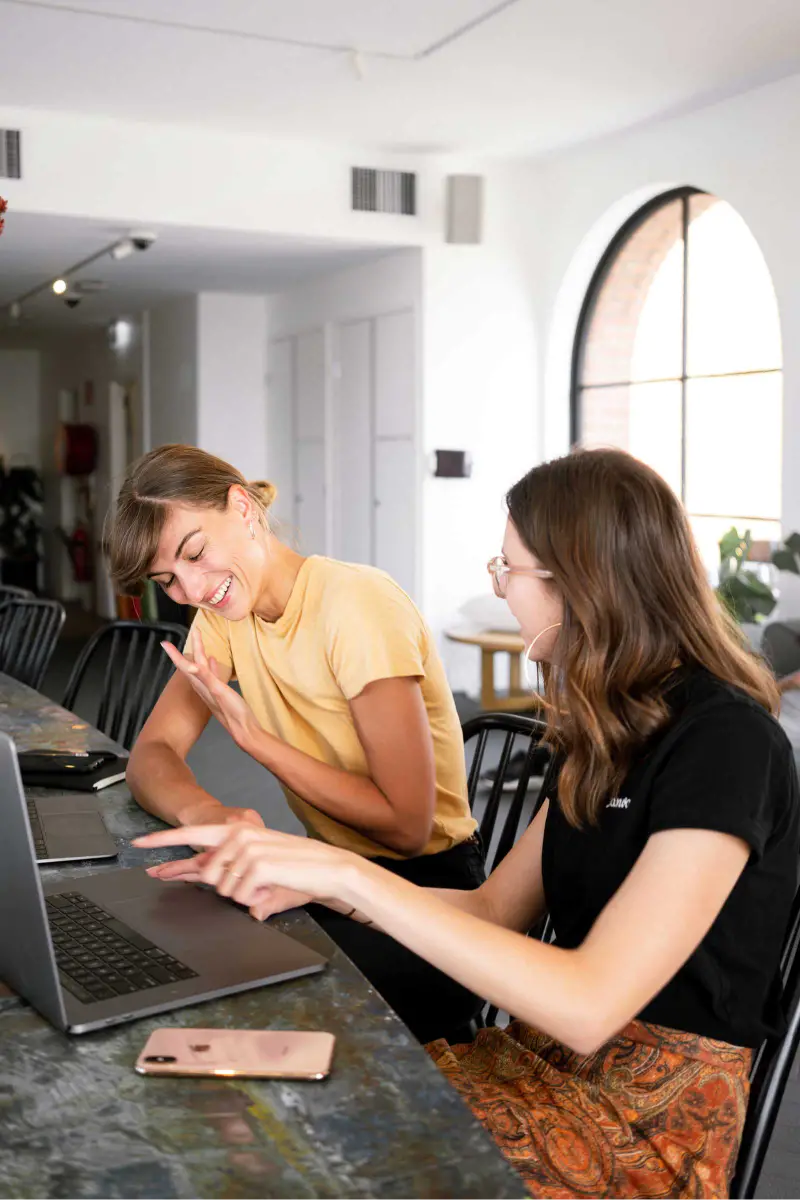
(252, 532)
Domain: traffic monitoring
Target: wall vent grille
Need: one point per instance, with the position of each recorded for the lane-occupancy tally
(384, 191)
(10, 154)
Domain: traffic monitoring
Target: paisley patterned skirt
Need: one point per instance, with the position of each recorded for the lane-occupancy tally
(654, 1112)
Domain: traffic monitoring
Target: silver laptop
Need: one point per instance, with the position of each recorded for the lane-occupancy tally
(67, 827)
(118, 945)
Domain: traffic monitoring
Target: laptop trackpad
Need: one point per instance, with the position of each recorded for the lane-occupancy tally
(194, 924)
(85, 830)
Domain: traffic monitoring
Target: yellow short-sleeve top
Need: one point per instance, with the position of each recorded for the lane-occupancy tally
(344, 627)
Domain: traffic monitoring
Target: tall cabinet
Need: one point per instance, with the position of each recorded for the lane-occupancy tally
(343, 439)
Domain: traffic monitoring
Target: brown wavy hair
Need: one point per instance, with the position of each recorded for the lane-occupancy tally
(637, 607)
(172, 474)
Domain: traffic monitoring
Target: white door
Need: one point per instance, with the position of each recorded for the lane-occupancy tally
(352, 453)
(280, 425)
(310, 388)
(395, 375)
(395, 509)
(394, 453)
(310, 497)
(310, 514)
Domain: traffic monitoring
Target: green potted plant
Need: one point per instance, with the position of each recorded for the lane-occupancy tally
(748, 598)
(20, 525)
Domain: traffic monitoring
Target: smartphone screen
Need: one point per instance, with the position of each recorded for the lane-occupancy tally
(238, 1053)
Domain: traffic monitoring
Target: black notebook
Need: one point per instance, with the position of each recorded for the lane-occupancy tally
(84, 772)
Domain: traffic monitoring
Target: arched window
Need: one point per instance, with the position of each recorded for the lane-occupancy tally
(678, 360)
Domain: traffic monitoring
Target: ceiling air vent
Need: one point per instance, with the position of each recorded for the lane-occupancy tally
(10, 154)
(384, 191)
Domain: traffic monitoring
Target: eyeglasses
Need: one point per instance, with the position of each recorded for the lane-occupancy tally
(499, 570)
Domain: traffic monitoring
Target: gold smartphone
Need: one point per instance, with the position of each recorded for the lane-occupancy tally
(237, 1053)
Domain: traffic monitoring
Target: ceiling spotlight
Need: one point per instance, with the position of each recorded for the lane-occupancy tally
(59, 286)
(122, 248)
(143, 238)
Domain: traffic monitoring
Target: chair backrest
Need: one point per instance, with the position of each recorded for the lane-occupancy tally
(780, 645)
(126, 658)
(771, 1066)
(518, 733)
(29, 631)
(9, 592)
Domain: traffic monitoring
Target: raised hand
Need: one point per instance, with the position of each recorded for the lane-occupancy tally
(232, 712)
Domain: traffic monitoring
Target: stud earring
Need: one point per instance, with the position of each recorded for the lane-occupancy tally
(252, 531)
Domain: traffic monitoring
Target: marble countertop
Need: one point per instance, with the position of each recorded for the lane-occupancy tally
(77, 1121)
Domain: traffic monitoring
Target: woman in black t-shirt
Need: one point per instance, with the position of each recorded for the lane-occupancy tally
(665, 850)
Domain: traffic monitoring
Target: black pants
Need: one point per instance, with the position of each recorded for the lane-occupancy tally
(431, 1003)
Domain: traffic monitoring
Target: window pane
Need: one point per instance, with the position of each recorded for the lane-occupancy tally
(732, 312)
(644, 418)
(635, 329)
(733, 445)
(708, 531)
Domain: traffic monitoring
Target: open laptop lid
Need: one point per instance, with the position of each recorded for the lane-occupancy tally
(27, 957)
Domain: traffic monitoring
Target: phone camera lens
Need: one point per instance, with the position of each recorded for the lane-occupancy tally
(161, 1058)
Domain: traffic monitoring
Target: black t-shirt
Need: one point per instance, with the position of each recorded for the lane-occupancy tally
(722, 762)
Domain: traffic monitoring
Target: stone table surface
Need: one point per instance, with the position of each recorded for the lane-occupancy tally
(36, 723)
(77, 1121)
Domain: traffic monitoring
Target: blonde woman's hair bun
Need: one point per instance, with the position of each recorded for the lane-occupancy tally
(266, 491)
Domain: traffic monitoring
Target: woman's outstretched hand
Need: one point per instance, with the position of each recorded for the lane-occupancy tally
(189, 870)
(260, 868)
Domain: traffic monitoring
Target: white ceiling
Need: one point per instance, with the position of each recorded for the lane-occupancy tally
(485, 76)
(36, 248)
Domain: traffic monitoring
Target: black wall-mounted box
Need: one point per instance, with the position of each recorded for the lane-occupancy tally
(452, 464)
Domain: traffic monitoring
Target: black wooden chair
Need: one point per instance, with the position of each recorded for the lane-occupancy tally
(519, 733)
(29, 630)
(134, 672)
(770, 1071)
(9, 592)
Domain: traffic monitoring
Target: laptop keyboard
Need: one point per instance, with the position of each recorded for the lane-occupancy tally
(99, 956)
(36, 829)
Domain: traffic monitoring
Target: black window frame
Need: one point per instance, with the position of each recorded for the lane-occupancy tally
(594, 291)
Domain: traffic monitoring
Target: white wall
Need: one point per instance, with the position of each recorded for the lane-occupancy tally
(231, 380)
(173, 358)
(20, 420)
(388, 285)
(481, 359)
(477, 388)
(207, 356)
(743, 150)
(142, 173)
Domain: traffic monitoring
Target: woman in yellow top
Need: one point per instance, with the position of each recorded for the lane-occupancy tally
(343, 698)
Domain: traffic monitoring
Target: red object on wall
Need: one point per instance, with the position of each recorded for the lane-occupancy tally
(76, 450)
